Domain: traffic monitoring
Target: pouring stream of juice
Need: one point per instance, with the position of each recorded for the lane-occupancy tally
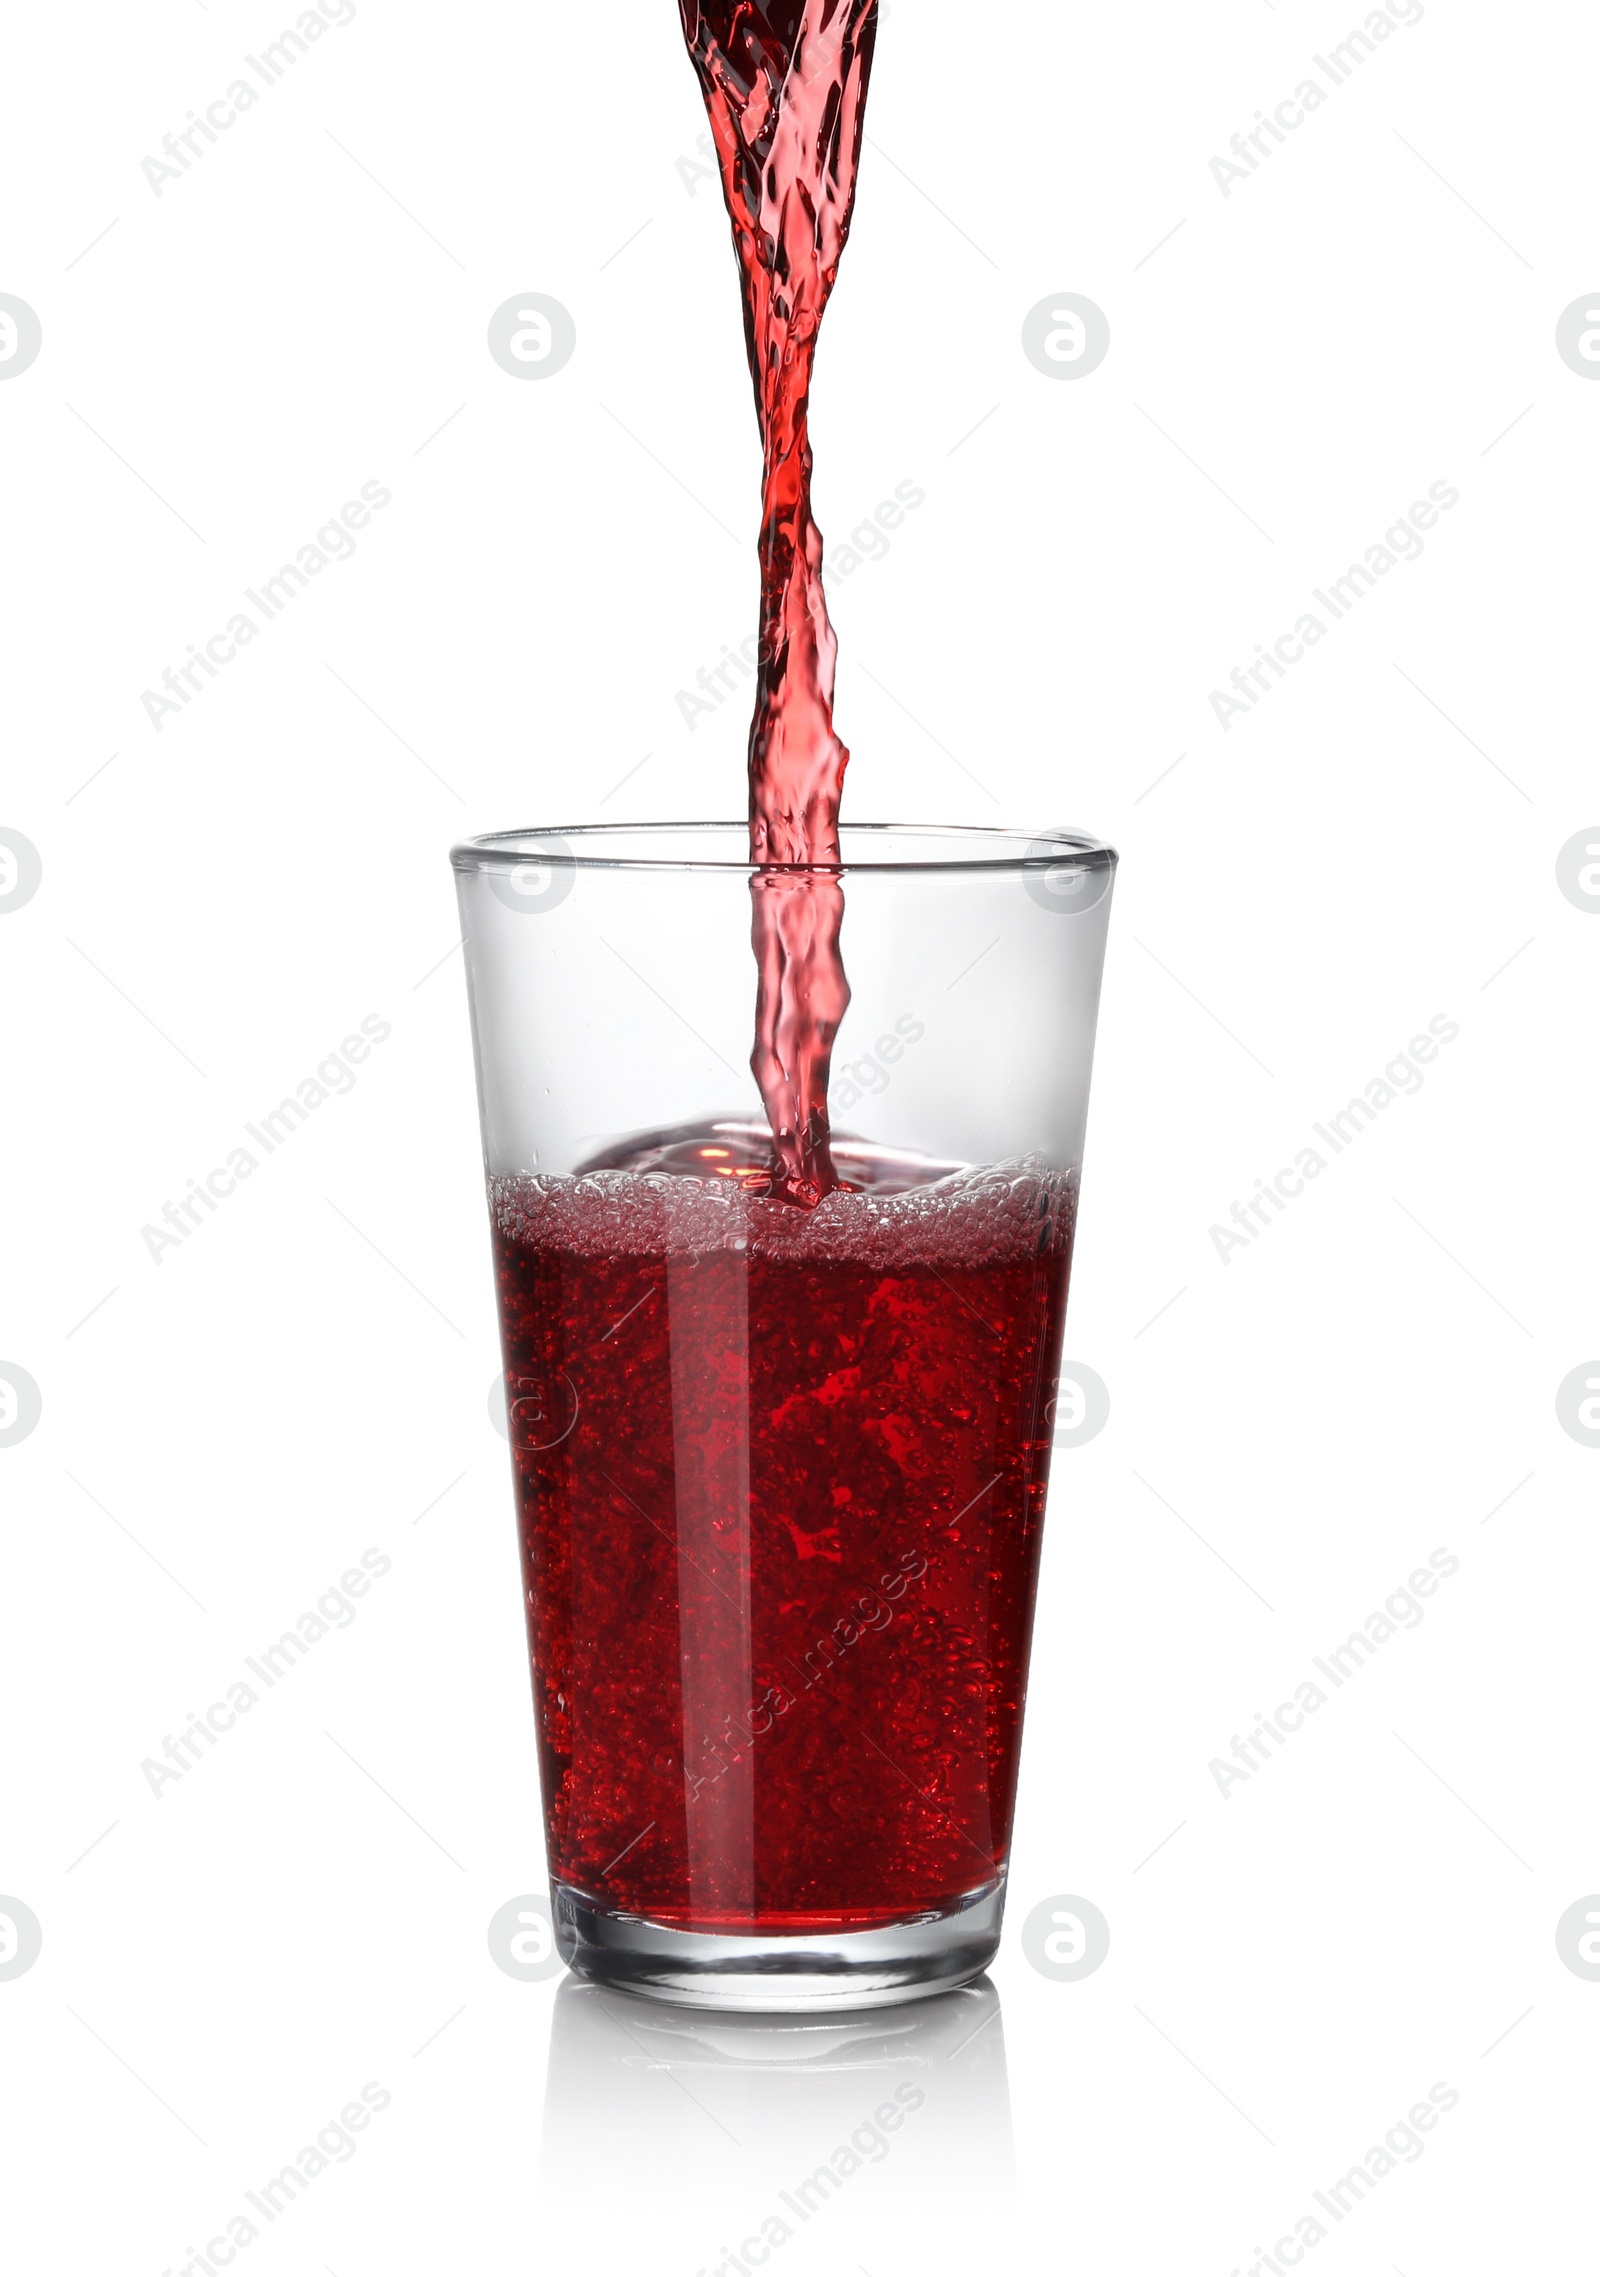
(785, 85)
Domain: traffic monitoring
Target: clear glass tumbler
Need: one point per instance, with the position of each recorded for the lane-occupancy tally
(780, 1472)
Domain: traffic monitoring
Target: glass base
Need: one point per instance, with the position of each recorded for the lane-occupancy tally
(859, 1968)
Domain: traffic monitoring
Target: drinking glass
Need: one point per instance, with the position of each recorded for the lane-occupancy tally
(780, 1472)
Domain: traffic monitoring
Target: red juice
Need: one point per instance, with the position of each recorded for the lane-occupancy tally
(781, 1478)
(785, 88)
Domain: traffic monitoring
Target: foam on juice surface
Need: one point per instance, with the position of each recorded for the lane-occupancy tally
(971, 1217)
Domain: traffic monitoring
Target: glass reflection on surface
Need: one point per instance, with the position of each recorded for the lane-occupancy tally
(739, 2132)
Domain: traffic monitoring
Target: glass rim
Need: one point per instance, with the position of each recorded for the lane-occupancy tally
(974, 847)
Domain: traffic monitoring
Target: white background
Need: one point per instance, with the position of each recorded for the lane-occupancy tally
(1375, 844)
